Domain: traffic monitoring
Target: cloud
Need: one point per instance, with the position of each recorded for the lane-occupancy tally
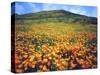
(54, 7)
(78, 10)
(23, 7)
(19, 9)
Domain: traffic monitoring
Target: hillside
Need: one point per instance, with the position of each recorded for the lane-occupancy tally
(54, 16)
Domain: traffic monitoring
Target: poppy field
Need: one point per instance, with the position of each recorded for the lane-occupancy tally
(51, 46)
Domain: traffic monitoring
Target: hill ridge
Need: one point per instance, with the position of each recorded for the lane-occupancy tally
(57, 16)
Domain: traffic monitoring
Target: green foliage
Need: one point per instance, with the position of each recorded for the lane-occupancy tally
(54, 16)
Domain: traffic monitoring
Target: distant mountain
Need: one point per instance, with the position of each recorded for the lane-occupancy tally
(55, 16)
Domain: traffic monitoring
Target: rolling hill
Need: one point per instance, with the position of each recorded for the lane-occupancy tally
(54, 16)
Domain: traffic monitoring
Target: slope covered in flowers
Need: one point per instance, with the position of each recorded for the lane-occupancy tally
(55, 46)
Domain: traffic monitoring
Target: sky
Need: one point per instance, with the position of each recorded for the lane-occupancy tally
(28, 7)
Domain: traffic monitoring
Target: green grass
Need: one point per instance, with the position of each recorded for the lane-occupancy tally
(57, 27)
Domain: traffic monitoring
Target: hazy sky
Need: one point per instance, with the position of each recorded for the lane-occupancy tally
(28, 7)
